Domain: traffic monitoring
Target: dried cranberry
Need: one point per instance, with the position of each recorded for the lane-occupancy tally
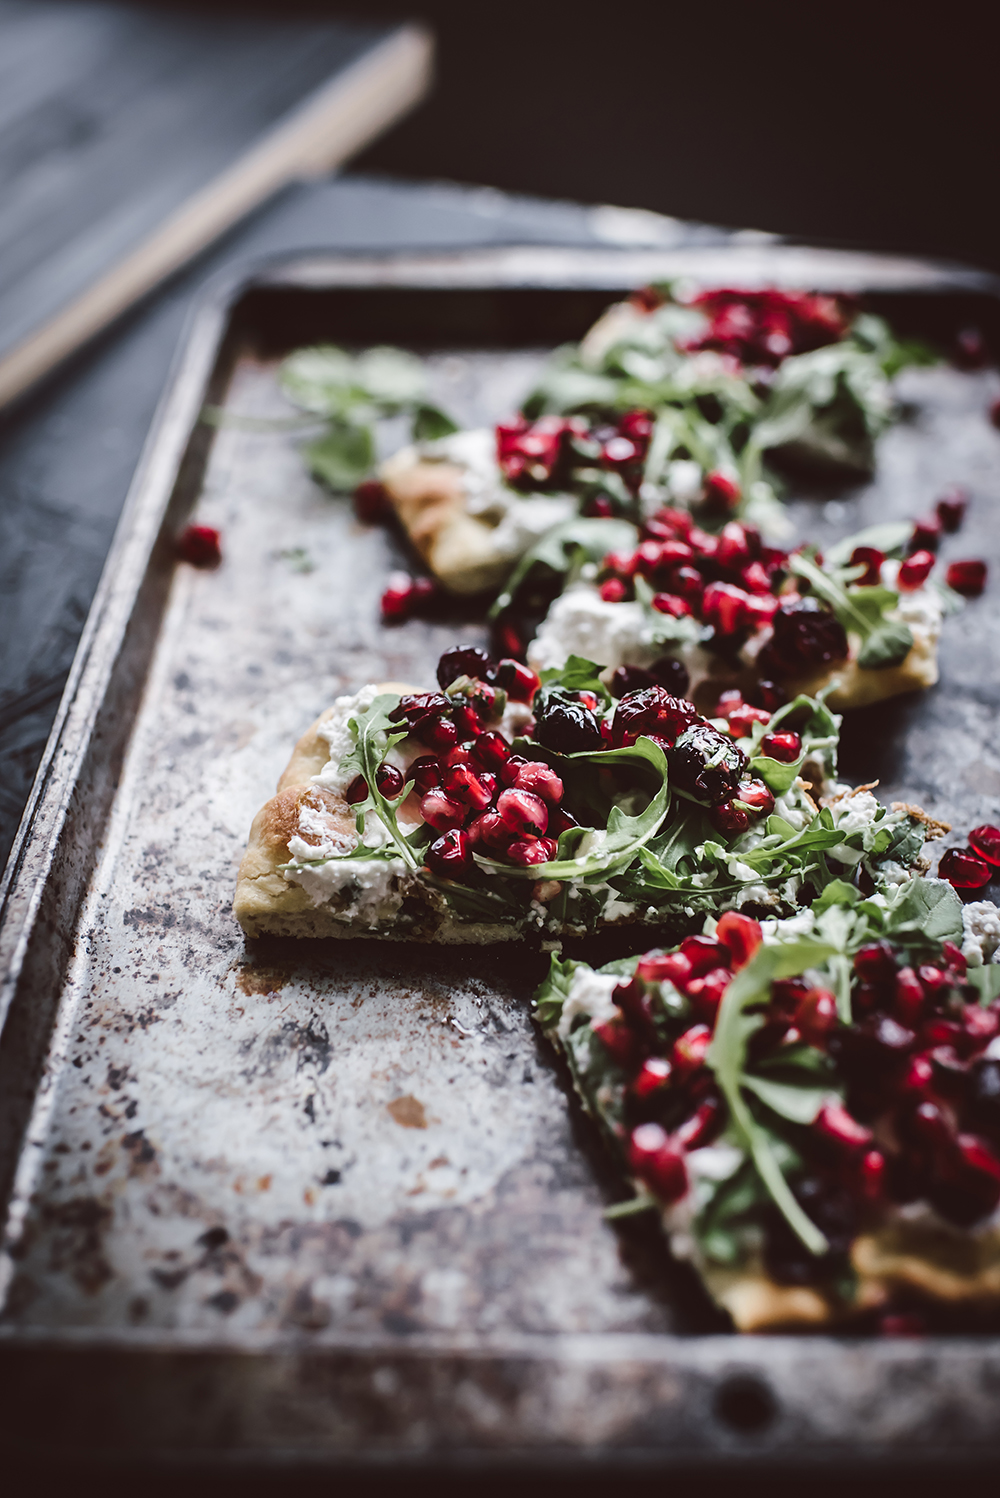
(785, 747)
(672, 674)
(963, 869)
(706, 763)
(871, 559)
(985, 841)
(491, 750)
(740, 935)
(657, 1162)
(567, 726)
(540, 779)
(389, 781)
(200, 545)
(465, 660)
(720, 491)
(806, 635)
(968, 578)
(450, 856)
(926, 535)
(614, 590)
(523, 812)
(357, 791)
(630, 679)
(914, 572)
(951, 507)
(372, 504)
(653, 711)
(518, 681)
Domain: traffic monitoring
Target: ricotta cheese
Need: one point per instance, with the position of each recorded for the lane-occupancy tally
(981, 923)
(589, 995)
(340, 738)
(373, 884)
(580, 622)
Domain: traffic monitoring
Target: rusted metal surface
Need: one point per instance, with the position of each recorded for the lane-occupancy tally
(343, 1180)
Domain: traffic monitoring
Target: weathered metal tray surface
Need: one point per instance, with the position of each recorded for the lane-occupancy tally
(343, 1181)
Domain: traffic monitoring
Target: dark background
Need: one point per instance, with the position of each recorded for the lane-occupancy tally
(864, 124)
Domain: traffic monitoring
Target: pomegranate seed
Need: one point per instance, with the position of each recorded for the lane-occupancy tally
(756, 578)
(914, 572)
(200, 546)
(740, 935)
(654, 1074)
(985, 841)
(465, 660)
(371, 502)
(729, 817)
(633, 1001)
(450, 856)
(470, 787)
(525, 853)
(442, 812)
(540, 779)
(598, 507)
(657, 1162)
(952, 955)
(701, 1126)
(704, 954)
(785, 747)
(720, 491)
(816, 1016)
(963, 869)
(614, 590)
(926, 535)
(466, 721)
(835, 1123)
(523, 812)
(928, 1123)
(560, 821)
(425, 773)
(919, 1076)
(934, 982)
(967, 578)
(980, 1025)
(491, 830)
(876, 963)
(871, 559)
(667, 603)
(742, 720)
(357, 791)
(737, 545)
(511, 768)
(687, 582)
(995, 412)
(726, 608)
(728, 702)
(436, 732)
(389, 781)
(756, 795)
(459, 754)
(873, 1175)
(666, 967)
(769, 695)
(518, 681)
(397, 598)
(951, 507)
(690, 1049)
(706, 993)
(618, 1038)
(491, 750)
(908, 1000)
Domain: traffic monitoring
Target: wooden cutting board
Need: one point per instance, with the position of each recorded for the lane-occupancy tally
(130, 139)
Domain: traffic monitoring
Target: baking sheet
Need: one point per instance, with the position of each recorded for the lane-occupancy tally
(356, 1153)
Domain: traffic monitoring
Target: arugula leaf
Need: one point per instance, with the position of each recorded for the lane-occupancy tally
(376, 734)
(927, 908)
(577, 675)
(986, 980)
(582, 538)
(798, 1101)
(554, 990)
(431, 423)
(343, 455)
(889, 537)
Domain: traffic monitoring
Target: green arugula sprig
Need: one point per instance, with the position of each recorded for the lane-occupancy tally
(562, 551)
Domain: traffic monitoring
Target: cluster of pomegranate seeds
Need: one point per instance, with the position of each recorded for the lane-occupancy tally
(765, 327)
(542, 454)
(407, 597)
(672, 1104)
(200, 545)
(972, 867)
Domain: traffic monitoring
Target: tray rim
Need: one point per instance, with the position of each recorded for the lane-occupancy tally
(32, 860)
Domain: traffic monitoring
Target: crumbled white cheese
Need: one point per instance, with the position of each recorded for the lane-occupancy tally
(589, 995)
(616, 909)
(922, 609)
(580, 622)
(852, 814)
(339, 736)
(373, 884)
(981, 923)
(684, 480)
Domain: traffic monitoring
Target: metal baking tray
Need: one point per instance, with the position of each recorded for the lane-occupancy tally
(332, 1202)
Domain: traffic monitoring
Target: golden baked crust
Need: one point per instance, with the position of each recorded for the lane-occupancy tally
(429, 498)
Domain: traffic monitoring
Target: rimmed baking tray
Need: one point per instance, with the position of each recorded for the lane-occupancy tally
(332, 1203)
